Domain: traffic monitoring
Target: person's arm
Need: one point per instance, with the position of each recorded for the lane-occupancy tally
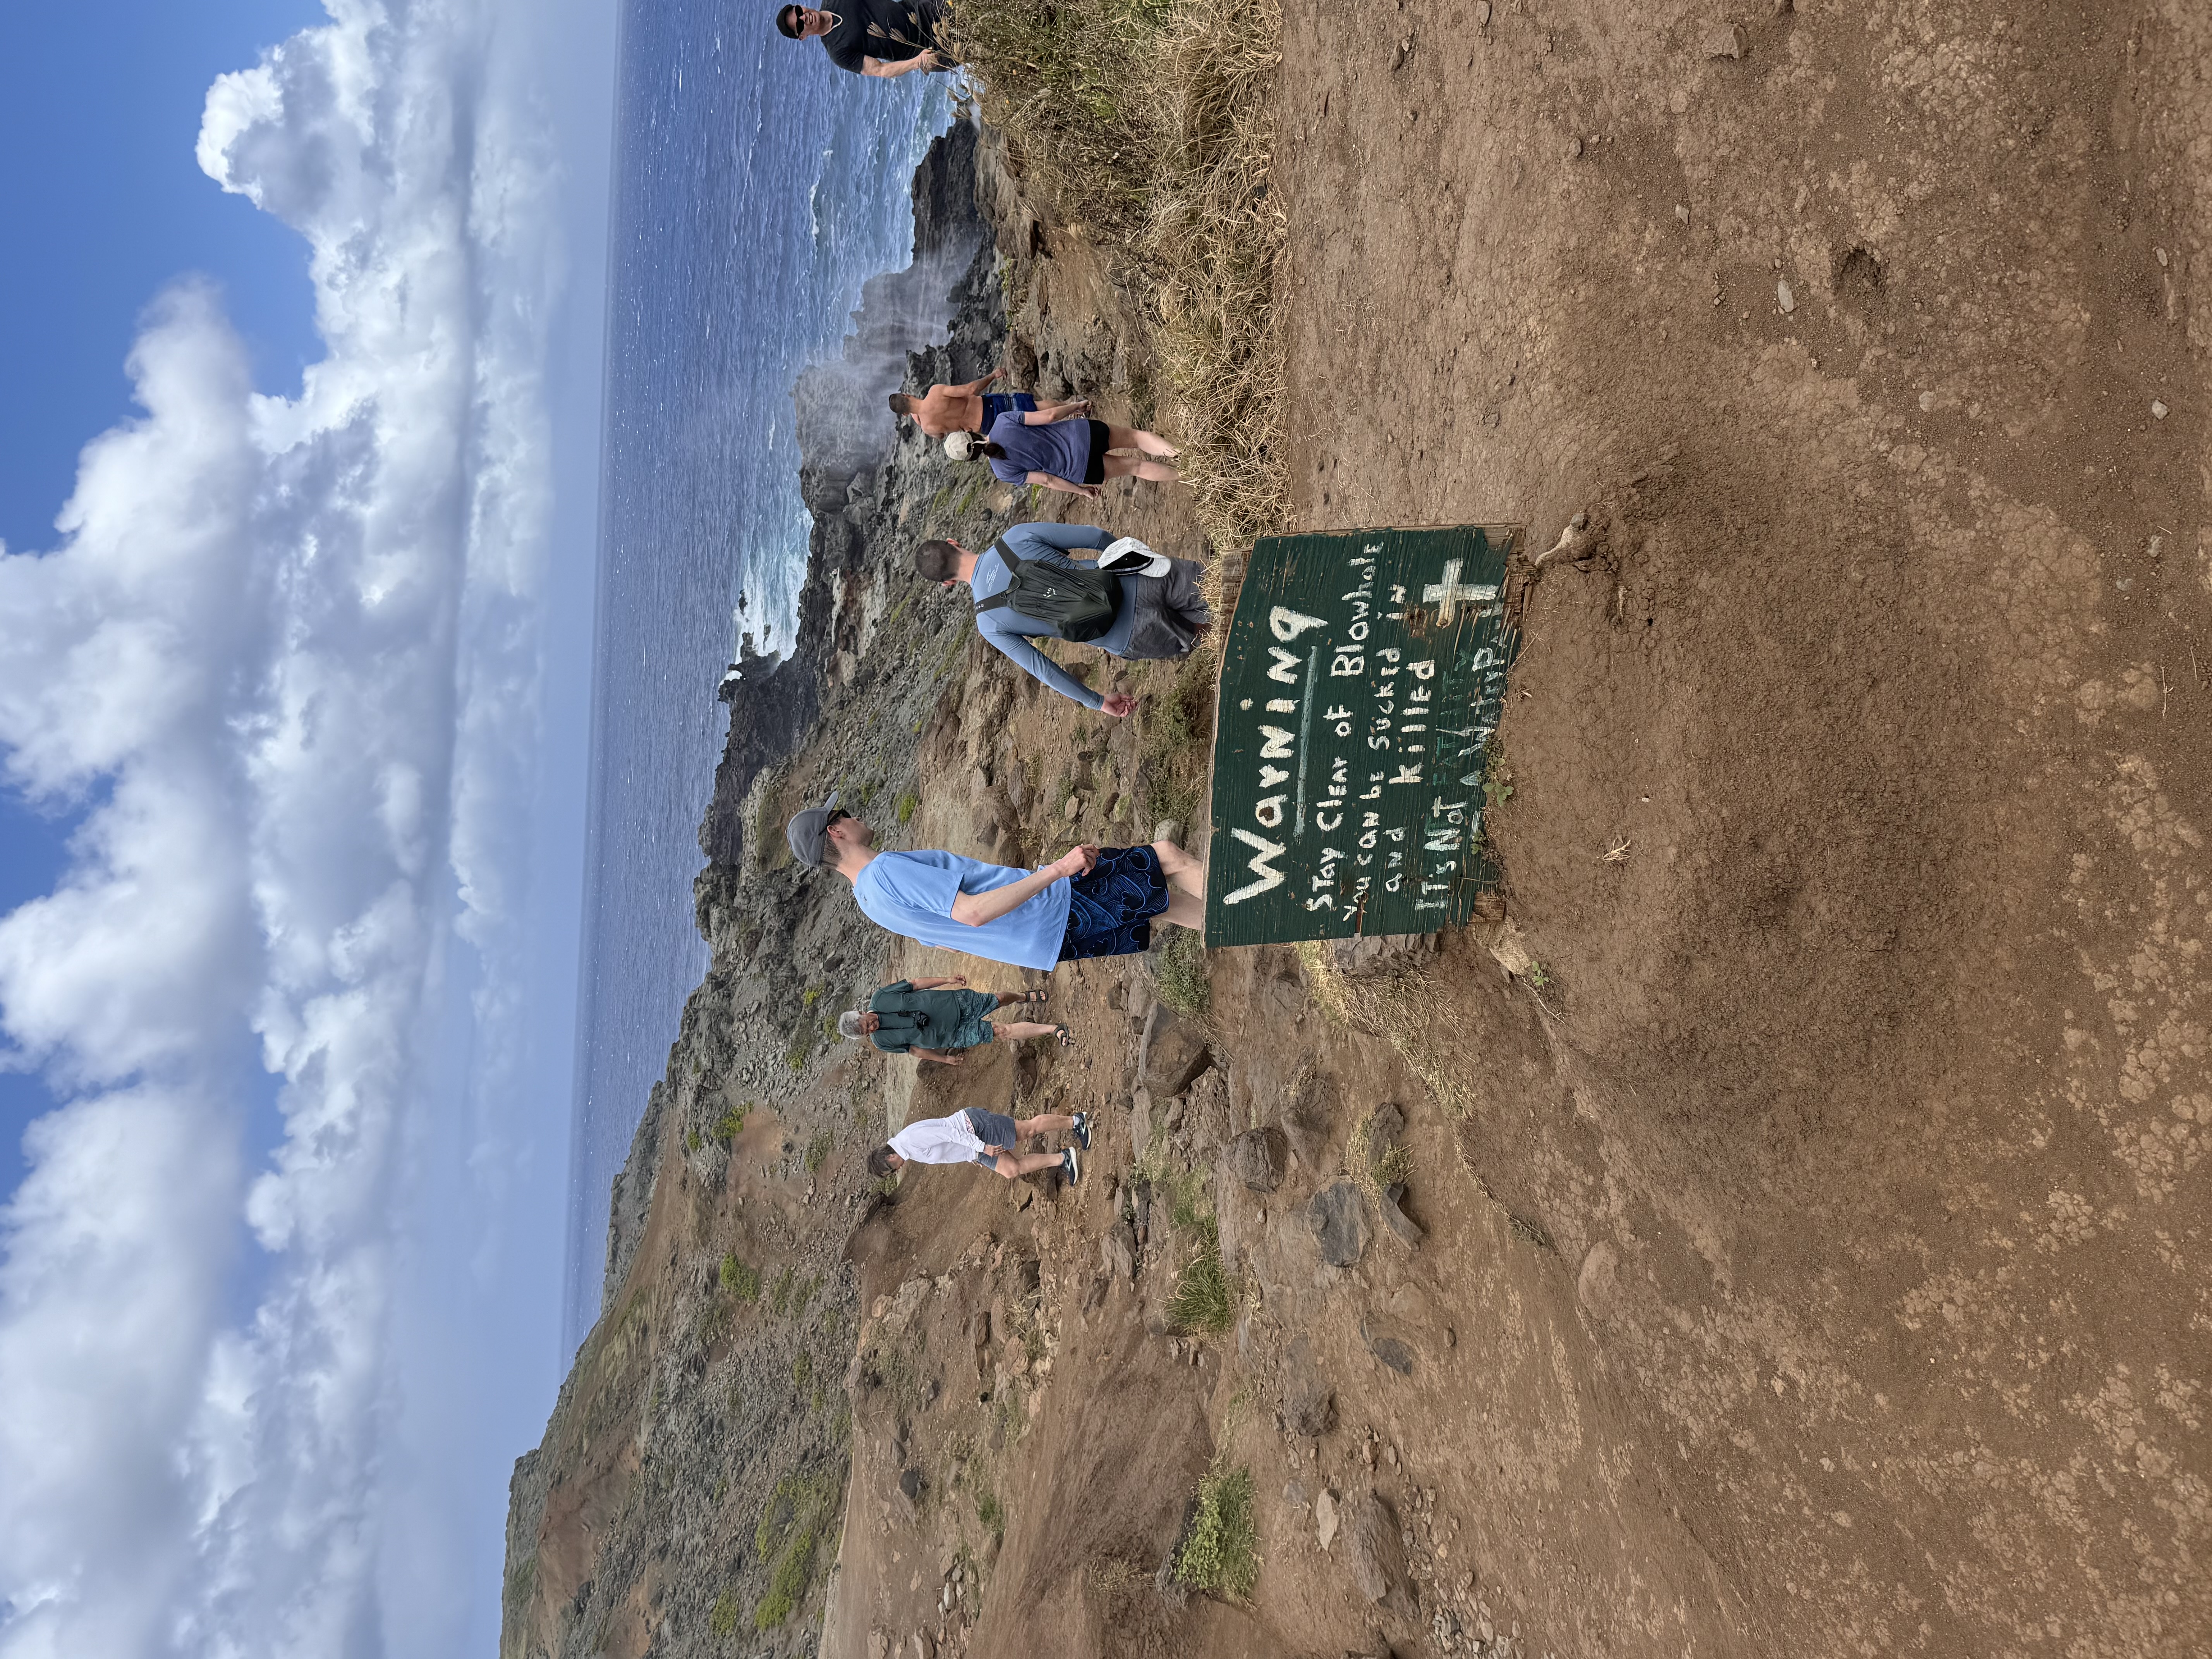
(954, 980)
(883, 71)
(975, 909)
(1028, 539)
(932, 1053)
(1039, 667)
(975, 386)
(1053, 481)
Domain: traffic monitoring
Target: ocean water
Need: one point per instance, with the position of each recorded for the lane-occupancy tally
(756, 188)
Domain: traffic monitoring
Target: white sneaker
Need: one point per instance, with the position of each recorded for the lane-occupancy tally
(1070, 1167)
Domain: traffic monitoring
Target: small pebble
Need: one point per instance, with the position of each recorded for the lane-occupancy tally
(1927, 402)
(2158, 250)
(1482, 21)
(1784, 298)
(1574, 149)
(1682, 213)
(2157, 410)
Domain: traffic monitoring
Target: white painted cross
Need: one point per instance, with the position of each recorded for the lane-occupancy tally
(1447, 594)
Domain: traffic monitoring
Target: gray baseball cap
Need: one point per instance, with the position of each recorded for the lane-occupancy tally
(806, 832)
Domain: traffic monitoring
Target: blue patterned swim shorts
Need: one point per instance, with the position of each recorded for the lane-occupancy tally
(1109, 910)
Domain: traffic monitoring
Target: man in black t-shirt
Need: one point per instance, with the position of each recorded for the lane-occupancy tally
(881, 38)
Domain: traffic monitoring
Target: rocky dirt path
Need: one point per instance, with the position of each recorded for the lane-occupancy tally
(1813, 1262)
(1864, 1115)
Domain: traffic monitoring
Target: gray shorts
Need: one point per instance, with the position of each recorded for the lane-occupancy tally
(992, 1129)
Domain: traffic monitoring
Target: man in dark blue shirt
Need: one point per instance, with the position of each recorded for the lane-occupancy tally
(883, 38)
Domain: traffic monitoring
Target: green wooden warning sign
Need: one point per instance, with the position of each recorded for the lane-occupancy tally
(1365, 673)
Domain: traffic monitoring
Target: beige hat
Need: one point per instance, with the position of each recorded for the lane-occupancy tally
(960, 444)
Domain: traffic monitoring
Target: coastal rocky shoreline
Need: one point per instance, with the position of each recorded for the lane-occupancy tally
(709, 1392)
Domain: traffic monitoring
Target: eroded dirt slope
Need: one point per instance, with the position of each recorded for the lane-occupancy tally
(1813, 1264)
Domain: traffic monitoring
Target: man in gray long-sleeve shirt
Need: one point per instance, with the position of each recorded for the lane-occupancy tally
(1159, 613)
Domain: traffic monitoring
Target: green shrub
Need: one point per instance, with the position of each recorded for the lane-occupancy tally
(723, 1621)
(1203, 1302)
(780, 1297)
(1375, 1171)
(1181, 973)
(1177, 730)
(732, 1123)
(908, 803)
(991, 1512)
(739, 1281)
(789, 1583)
(817, 1152)
(1222, 1552)
(802, 1369)
(1187, 1206)
(792, 1522)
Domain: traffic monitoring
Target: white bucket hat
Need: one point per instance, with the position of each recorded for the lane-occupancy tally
(1131, 557)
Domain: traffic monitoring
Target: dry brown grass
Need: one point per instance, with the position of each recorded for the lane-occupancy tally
(1398, 1004)
(1151, 124)
(1374, 1172)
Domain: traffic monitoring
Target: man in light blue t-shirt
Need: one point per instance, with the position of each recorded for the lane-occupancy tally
(1090, 901)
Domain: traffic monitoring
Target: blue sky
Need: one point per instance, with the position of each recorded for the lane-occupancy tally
(300, 338)
(108, 96)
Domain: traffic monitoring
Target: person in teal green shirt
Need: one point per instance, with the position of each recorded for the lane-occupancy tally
(935, 1018)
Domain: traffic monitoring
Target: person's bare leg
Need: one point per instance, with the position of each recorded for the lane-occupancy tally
(1073, 407)
(1180, 869)
(1184, 911)
(1134, 467)
(1131, 437)
(1045, 1123)
(1014, 1165)
(1014, 1031)
(1008, 999)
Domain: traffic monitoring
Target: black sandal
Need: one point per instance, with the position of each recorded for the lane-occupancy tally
(1064, 1036)
(1032, 999)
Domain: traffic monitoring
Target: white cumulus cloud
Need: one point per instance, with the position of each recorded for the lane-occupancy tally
(283, 655)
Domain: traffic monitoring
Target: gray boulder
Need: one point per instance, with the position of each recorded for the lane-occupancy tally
(1117, 1250)
(1392, 1350)
(1377, 1556)
(1170, 1055)
(1259, 1157)
(1402, 1226)
(1339, 1221)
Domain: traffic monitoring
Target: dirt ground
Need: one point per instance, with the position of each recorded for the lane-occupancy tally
(1818, 1267)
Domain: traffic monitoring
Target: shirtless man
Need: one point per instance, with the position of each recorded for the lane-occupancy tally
(944, 410)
